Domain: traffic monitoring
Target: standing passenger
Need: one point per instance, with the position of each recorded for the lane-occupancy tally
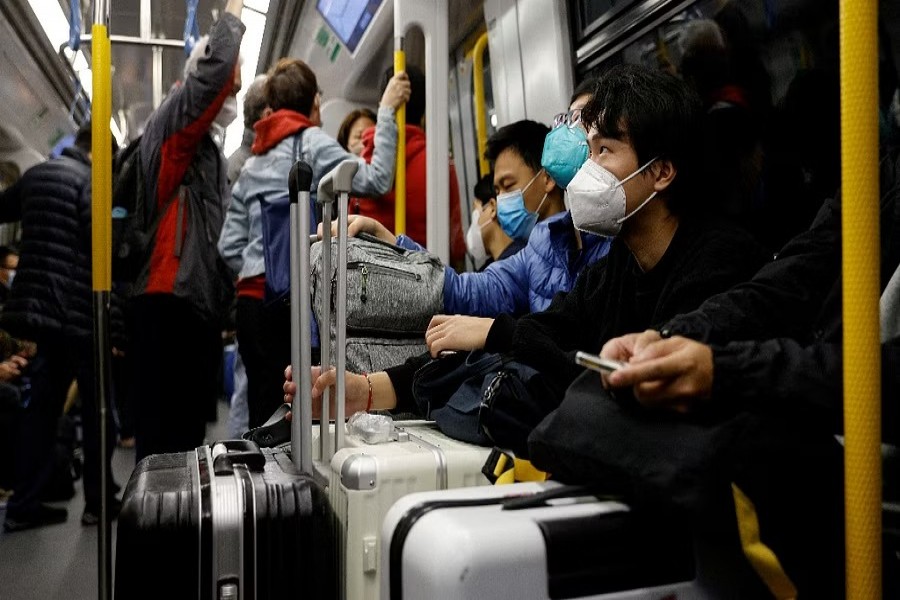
(263, 330)
(352, 127)
(254, 105)
(183, 292)
(382, 208)
(51, 304)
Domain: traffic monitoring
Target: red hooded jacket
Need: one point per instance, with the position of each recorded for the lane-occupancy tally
(382, 208)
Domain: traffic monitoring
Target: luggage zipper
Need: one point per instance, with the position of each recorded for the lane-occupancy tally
(366, 268)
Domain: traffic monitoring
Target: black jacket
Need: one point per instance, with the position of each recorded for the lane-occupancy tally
(51, 293)
(777, 339)
(614, 297)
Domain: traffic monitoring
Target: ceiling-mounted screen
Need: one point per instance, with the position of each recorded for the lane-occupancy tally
(348, 18)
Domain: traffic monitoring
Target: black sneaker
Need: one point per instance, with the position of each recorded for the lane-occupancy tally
(44, 515)
(91, 514)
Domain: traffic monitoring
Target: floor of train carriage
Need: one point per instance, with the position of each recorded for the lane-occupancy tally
(59, 562)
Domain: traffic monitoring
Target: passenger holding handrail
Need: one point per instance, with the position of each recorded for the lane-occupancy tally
(183, 291)
(382, 207)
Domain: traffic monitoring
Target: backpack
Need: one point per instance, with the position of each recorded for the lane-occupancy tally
(276, 233)
(131, 233)
(392, 293)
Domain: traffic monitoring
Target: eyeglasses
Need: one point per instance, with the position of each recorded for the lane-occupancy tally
(570, 119)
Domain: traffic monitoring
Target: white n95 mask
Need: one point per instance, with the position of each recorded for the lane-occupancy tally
(597, 199)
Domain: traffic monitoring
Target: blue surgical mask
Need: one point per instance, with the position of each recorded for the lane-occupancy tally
(516, 220)
(565, 150)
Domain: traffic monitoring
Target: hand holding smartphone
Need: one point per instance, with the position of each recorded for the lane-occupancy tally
(596, 363)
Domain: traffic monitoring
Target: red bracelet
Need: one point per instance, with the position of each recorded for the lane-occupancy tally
(369, 403)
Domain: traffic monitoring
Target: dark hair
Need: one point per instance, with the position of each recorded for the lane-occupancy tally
(84, 137)
(415, 107)
(525, 137)
(255, 101)
(343, 136)
(585, 87)
(484, 188)
(657, 113)
(291, 85)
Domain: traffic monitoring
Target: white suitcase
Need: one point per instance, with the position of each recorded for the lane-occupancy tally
(365, 480)
(473, 544)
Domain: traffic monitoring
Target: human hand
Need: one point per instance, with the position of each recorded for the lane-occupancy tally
(356, 391)
(672, 373)
(624, 347)
(235, 7)
(357, 224)
(11, 368)
(456, 332)
(289, 387)
(397, 91)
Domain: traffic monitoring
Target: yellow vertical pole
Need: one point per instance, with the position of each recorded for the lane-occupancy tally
(101, 159)
(101, 270)
(860, 228)
(480, 105)
(400, 181)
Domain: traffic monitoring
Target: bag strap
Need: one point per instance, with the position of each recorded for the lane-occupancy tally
(758, 554)
(298, 145)
(502, 468)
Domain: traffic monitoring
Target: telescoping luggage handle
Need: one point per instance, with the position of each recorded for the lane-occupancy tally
(338, 181)
(334, 187)
(299, 182)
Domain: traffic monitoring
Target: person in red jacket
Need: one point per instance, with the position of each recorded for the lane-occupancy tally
(382, 209)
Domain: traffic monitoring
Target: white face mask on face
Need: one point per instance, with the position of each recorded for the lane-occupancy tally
(474, 241)
(228, 112)
(597, 199)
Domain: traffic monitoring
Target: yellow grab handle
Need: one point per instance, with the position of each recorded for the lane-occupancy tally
(400, 181)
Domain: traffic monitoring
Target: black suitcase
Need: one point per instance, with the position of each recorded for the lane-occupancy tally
(222, 522)
(227, 521)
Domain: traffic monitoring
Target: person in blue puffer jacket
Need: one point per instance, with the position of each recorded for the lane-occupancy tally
(529, 206)
(526, 282)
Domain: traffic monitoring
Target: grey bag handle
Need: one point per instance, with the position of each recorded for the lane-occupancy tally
(299, 183)
(334, 186)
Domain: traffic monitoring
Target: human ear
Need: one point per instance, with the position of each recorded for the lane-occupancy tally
(490, 208)
(549, 183)
(664, 173)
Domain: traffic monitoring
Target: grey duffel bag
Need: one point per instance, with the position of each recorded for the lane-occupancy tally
(392, 293)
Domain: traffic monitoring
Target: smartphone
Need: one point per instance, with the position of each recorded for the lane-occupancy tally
(595, 363)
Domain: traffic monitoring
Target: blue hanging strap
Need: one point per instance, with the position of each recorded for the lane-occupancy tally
(191, 29)
(74, 25)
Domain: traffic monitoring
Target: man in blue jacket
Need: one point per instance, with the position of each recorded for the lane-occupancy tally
(529, 206)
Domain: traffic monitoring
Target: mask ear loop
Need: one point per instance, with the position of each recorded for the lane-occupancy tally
(642, 204)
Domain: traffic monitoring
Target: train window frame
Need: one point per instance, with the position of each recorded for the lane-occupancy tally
(584, 28)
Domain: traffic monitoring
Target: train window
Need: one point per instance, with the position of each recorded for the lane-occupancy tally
(348, 18)
(589, 15)
(767, 74)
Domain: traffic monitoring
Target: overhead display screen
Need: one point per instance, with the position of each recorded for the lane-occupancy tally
(348, 18)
